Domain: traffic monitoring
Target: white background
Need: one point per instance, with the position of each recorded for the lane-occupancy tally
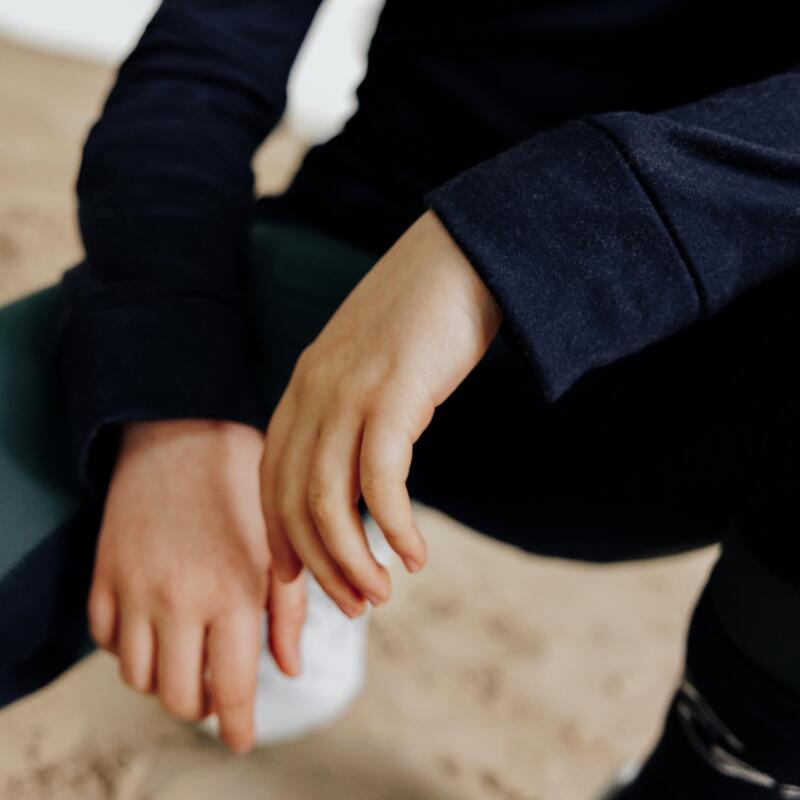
(329, 67)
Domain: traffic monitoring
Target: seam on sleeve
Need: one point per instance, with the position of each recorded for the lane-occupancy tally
(690, 266)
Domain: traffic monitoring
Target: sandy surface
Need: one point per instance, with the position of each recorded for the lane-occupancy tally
(493, 674)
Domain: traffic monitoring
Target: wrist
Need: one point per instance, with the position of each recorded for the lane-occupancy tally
(142, 433)
(480, 302)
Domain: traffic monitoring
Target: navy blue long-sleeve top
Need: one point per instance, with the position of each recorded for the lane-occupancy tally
(613, 169)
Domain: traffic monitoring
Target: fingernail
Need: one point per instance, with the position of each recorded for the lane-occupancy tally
(411, 565)
(374, 599)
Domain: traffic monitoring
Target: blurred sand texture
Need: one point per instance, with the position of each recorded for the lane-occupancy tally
(492, 675)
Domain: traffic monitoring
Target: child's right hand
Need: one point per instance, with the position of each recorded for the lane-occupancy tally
(181, 576)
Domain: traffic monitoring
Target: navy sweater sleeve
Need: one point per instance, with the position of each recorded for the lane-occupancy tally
(153, 324)
(609, 233)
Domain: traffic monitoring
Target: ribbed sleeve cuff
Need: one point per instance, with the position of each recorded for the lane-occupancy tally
(166, 357)
(562, 231)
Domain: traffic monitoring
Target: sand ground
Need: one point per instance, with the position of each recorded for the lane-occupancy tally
(492, 675)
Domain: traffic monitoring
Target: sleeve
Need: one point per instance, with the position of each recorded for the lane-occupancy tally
(612, 232)
(153, 323)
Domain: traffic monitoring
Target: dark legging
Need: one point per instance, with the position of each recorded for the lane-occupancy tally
(694, 440)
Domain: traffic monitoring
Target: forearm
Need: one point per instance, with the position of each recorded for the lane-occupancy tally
(154, 321)
(605, 235)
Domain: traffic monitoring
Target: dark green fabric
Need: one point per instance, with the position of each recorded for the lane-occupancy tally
(626, 465)
(38, 489)
(48, 521)
(46, 533)
(298, 278)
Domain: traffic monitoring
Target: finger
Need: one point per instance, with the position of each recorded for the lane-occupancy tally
(292, 507)
(386, 452)
(233, 653)
(287, 615)
(332, 502)
(285, 560)
(180, 670)
(103, 615)
(330, 577)
(136, 650)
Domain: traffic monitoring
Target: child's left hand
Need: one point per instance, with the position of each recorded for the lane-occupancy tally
(359, 398)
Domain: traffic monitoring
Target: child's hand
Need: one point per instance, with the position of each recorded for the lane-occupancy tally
(360, 396)
(181, 576)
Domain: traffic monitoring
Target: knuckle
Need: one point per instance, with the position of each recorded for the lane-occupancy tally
(295, 611)
(320, 503)
(375, 482)
(285, 601)
(386, 456)
(345, 398)
(233, 693)
(176, 596)
(242, 602)
(342, 554)
(241, 615)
